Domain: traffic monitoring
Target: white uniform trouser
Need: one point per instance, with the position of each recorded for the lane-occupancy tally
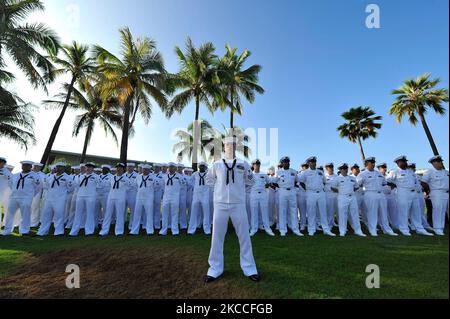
(421, 200)
(316, 203)
(392, 210)
(287, 204)
(222, 213)
(117, 207)
(53, 210)
(36, 210)
(272, 207)
(24, 204)
(170, 207)
(248, 209)
(144, 206)
(259, 206)
(439, 199)
(157, 208)
(407, 204)
(5, 192)
(85, 211)
(332, 208)
(301, 204)
(102, 202)
(200, 207)
(376, 211)
(183, 209)
(130, 202)
(73, 206)
(362, 207)
(348, 210)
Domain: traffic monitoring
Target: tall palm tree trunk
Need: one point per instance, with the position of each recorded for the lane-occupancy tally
(232, 116)
(196, 135)
(54, 133)
(125, 130)
(85, 146)
(361, 150)
(428, 133)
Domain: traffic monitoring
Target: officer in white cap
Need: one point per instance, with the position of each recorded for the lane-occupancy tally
(373, 183)
(86, 200)
(405, 182)
(159, 191)
(435, 181)
(345, 186)
(144, 201)
(24, 186)
(287, 198)
(272, 191)
(355, 169)
(5, 191)
(132, 192)
(171, 201)
(57, 186)
(331, 196)
(313, 181)
(230, 177)
(120, 185)
(37, 203)
(102, 193)
(183, 197)
(72, 197)
(201, 209)
(259, 200)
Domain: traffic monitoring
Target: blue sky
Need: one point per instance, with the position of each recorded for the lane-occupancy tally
(318, 59)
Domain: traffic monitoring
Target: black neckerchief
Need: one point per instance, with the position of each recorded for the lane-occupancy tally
(21, 180)
(85, 181)
(144, 181)
(230, 169)
(202, 179)
(56, 180)
(116, 182)
(170, 179)
(103, 177)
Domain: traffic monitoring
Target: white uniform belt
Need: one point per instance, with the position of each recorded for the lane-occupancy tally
(374, 191)
(315, 190)
(440, 191)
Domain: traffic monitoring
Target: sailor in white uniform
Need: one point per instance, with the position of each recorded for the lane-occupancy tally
(144, 201)
(173, 182)
(102, 193)
(159, 190)
(272, 191)
(183, 197)
(37, 204)
(332, 207)
(130, 202)
(201, 209)
(421, 198)
(259, 200)
(57, 187)
(24, 186)
(287, 198)
(120, 185)
(313, 181)
(345, 186)
(86, 200)
(230, 177)
(391, 198)
(375, 202)
(436, 181)
(301, 200)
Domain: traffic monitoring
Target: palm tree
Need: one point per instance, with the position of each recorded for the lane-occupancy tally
(414, 98)
(16, 120)
(140, 74)
(196, 80)
(237, 81)
(107, 113)
(185, 147)
(79, 66)
(21, 41)
(361, 124)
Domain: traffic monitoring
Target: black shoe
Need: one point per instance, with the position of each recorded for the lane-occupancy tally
(255, 278)
(25, 235)
(210, 279)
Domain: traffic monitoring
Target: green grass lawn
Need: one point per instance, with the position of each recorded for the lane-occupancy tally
(292, 267)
